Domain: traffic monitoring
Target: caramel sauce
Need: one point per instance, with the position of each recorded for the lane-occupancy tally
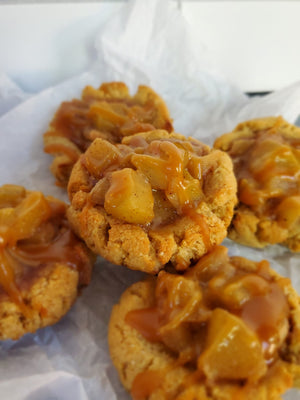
(25, 245)
(63, 249)
(119, 116)
(145, 321)
(177, 192)
(174, 173)
(263, 313)
(271, 157)
(71, 120)
(60, 250)
(199, 220)
(146, 383)
(7, 281)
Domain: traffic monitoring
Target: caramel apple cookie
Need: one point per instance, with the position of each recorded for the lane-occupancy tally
(266, 158)
(228, 328)
(153, 199)
(43, 265)
(109, 113)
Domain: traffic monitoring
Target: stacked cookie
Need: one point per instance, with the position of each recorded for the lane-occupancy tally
(203, 325)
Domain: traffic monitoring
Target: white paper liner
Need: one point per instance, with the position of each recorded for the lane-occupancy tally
(148, 42)
(10, 94)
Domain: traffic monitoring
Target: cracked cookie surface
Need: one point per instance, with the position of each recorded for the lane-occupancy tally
(43, 265)
(228, 328)
(110, 113)
(153, 199)
(266, 158)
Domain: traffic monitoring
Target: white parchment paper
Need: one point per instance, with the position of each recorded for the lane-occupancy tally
(147, 42)
(10, 94)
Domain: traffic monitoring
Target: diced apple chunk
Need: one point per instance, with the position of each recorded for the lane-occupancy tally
(33, 210)
(184, 192)
(154, 168)
(232, 350)
(11, 195)
(100, 155)
(242, 289)
(194, 167)
(288, 211)
(129, 197)
(101, 112)
(21, 222)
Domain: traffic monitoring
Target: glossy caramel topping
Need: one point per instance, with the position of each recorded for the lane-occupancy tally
(148, 184)
(146, 321)
(7, 281)
(146, 383)
(72, 121)
(267, 167)
(33, 233)
(226, 316)
(108, 112)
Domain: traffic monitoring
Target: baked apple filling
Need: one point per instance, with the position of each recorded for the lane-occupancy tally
(34, 234)
(266, 158)
(137, 178)
(227, 318)
(109, 113)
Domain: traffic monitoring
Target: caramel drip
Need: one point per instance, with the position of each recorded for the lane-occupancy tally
(60, 250)
(64, 249)
(7, 281)
(201, 221)
(145, 321)
(72, 121)
(146, 383)
(174, 172)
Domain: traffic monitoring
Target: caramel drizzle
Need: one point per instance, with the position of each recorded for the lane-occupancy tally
(7, 281)
(176, 185)
(148, 381)
(62, 249)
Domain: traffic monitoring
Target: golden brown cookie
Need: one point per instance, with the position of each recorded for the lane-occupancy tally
(266, 158)
(153, 199)
(228, 328)
(109, 113)
(43, 265)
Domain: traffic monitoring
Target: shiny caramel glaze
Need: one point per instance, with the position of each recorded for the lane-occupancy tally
(266, 158)
(227, 320)
(174, 190)
(109, 113)
(35, 234)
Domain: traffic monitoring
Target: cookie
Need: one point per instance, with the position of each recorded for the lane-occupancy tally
(266, 158)
(44, 266)
(110, 113)
(228, 328)
(153, 199)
